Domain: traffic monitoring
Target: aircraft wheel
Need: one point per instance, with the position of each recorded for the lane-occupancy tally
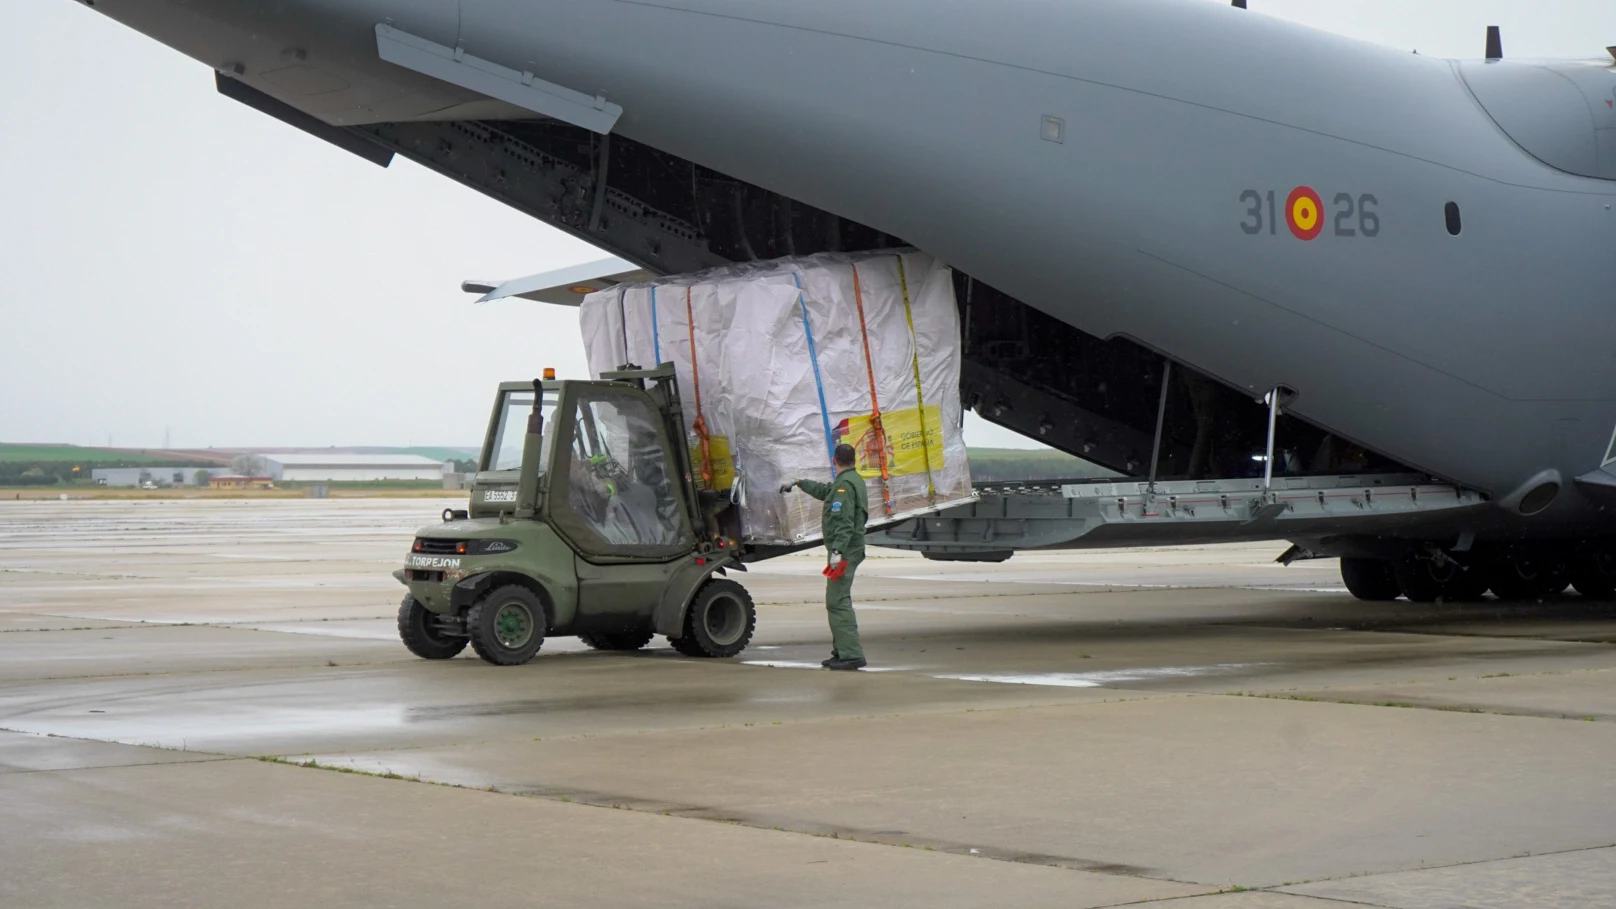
(418, 629)
(1425, 580)
(1370, 579)
(625, 640)
(1593, 572)
(1526, 573)
(507, 626)
(1469, 587)
(720, 621)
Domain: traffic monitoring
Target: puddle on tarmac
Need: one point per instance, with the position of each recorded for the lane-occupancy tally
(199, 732)
(1101, 678)
(793, 664)
(361, 629)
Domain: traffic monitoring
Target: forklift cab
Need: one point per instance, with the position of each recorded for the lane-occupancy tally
(607, 476)
(583, 520)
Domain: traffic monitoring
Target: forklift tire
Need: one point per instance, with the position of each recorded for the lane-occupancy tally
(420, 634)
(720, 621)
(625, 640)
(507, 626)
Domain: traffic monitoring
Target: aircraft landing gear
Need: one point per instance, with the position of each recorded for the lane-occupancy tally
(1526, 573)
(1513, 572)
(1426, 576)
(1371, 580)
(1593, 571)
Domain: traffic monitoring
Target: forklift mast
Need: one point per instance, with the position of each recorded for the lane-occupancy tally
(710, 510)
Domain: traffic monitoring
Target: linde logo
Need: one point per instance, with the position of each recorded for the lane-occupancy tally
(500, 495)
(433, 562)
(497, 546)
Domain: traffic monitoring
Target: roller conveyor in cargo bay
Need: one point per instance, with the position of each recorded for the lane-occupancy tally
(1104, 513)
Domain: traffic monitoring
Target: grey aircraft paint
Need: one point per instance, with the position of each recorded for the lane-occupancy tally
(1267, 203)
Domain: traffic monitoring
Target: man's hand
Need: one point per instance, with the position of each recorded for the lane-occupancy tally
(787, 487)
(837, 567)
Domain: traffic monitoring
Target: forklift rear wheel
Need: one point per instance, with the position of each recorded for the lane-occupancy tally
(418, 629)
(507, 626)
(720, 621)
(624, 640)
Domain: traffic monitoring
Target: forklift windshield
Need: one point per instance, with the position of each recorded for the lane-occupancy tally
(619, 497)
(505, 446)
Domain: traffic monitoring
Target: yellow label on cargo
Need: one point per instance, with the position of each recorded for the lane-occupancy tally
(911, 446)
(723, 465)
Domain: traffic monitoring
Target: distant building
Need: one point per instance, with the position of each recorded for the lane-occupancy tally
(157, 476)
(228, 481)
(352, 468)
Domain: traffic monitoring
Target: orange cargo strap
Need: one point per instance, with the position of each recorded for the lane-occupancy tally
(920, 399)
(876, 429)
(700, 425)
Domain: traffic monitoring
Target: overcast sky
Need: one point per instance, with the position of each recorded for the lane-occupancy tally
(174, 261)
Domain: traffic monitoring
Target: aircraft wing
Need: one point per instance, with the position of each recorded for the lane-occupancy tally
(564, 286)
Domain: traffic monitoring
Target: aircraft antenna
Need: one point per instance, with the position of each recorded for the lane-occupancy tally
(1240, 4)
(1495, 43)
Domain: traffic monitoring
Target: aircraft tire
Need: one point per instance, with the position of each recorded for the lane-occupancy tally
(1469, 587)
(1523, 573)
(507, 625)
(415, 629)
(1426, 580)
(624, 640)
(1593, 573)
(719, 622)
(1371, 580)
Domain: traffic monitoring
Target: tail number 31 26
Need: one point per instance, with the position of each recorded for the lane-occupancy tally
(1302, 212)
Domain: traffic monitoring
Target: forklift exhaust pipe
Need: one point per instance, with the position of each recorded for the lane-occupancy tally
(527, 490)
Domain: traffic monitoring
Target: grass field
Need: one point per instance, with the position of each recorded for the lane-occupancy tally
(46, 493)
(14, 453)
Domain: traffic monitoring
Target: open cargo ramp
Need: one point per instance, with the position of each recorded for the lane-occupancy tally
(1117, 513)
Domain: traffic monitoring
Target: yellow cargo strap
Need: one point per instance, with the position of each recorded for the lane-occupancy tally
(700, 426)
(920, 398)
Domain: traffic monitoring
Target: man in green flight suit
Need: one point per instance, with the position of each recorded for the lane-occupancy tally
(847, 509)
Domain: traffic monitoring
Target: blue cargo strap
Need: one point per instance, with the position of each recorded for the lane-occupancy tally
(813, 357)
(656, 336)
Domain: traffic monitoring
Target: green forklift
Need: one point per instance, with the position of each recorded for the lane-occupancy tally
(585, 519)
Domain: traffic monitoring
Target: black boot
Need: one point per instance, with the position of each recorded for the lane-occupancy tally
(845, 665)
(833, 658)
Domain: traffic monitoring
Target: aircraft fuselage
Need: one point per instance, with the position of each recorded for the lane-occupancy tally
(1272, 205)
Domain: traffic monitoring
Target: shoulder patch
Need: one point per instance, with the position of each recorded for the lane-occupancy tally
(841, 489)
(835, 507)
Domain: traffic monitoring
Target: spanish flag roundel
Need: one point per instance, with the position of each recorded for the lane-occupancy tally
(1304, 212)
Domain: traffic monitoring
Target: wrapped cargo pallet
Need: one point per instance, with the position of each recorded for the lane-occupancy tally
(781, 361)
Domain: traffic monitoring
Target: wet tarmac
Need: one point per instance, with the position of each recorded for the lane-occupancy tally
(204, 703)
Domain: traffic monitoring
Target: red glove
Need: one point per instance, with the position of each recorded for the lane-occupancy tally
(835, 572)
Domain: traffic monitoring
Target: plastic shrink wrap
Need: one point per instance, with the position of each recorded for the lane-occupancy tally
(778, 362)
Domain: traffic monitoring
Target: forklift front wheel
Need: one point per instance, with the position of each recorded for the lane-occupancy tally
(507, 626)
(421, 633)
(719, 622)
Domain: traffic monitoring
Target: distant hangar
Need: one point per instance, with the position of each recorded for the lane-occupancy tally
(352, 468)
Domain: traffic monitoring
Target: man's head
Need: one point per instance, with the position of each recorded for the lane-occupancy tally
(844, 456)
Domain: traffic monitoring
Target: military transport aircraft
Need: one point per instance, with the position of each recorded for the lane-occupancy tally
(1299, 286)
